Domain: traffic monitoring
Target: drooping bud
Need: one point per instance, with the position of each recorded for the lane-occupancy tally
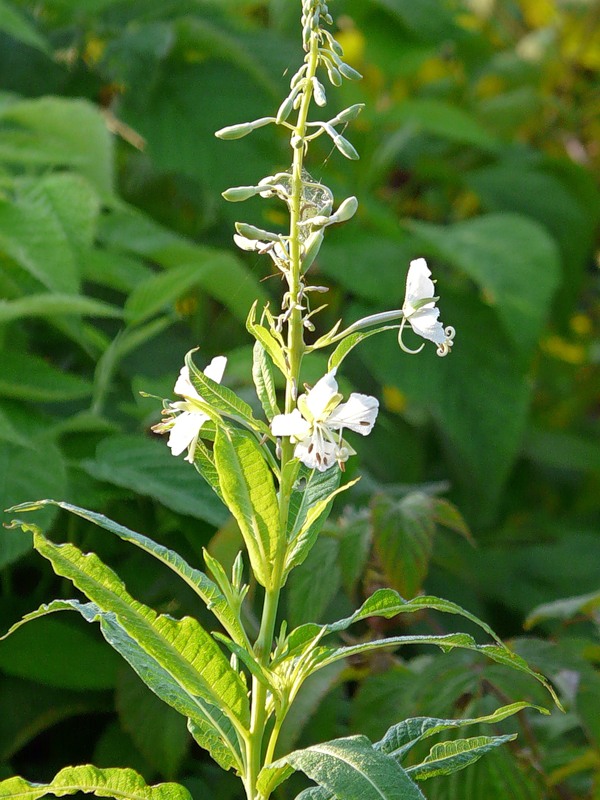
(346, 210)
(346, 149)
(349, 72)
(319, 92)
(252, 232)
(236, 194)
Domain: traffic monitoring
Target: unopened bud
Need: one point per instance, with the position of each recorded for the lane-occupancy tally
(349, 72)
(311, 248)
(348, 114)
(236, 194)
(346, 210)
(243, 129)
(254, 233)
(345, 148)
(319, 92)
(285, 109)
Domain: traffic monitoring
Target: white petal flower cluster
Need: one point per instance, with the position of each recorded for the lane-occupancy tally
(317, 423)
(185, 418)
(420, 311)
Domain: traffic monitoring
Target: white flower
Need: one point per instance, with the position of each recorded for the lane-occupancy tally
(420, 311)
(319, 414)
(185, 418)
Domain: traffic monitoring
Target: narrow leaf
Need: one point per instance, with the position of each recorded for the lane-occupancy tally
(247, 486)
(53, 305)
(448, 757)
(118, 783)
(264, 380)
(206, 589)
(267, 340)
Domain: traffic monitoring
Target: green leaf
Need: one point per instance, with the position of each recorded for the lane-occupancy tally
(565, 609)
(301, 545)
(206, 589)
(266, 338)
(247, 486)
(17, 26)
(57, 654)
(49, 132)
(400, 738)
(117, 783)
(56, 304)
(315, 583)
(222, 399)
(403, 533)
(350, 768)
(148, 468)
(514, 261)
(157, 730)
(27, 377)
(448, 757)
(264, 380)
(181, 647)
(310, 487)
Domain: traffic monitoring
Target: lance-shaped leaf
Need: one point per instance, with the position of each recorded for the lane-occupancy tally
(316, 515)
(401, 738)
(264, 380)
(218, 734)
(310, 487)
(125, 784)
(247, 487)
(206, 589)
(181, 647)
(349, 342)
(448, 757)
(222, 399)
(267, 339)
(349, 768)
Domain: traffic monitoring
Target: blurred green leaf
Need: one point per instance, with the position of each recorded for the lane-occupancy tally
(18, 26)
(30, 378)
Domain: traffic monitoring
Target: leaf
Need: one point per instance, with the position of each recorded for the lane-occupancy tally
(206, 589)
(21, 473)
(247, 486)
(403, 533)
(50, 133)
(117, 783)
(300, 546)
(350, 768)
(56, 304)
(310, 487)
(27, 377)
(222, 399)
(401, 738)
(264, 380)
(448, 757)
(57, 654)
(157, 730)
(565, 609)
(148, 468)
(267, 339)
(315, 583)
(181, 647)
(16, 25)
(513, 260)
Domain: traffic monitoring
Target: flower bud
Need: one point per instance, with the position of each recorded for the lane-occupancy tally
(348, 114)
(236, 194)
(345, 148)
(346, 210)
(252, 232)
(319, 92)
(349, 72)
(285, 109)
(311, 248)
(243, 129)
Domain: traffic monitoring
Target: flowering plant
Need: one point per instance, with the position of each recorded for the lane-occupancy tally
(278, 476)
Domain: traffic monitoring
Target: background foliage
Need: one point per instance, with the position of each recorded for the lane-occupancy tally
(479, 147)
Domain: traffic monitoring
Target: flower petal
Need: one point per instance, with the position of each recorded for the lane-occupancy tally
(322, 397)
(315, 452)
(216, 368)
(185, 430)
(419, 286)
(183, 386)
(357, 414)
(425, 322)
(292, 424)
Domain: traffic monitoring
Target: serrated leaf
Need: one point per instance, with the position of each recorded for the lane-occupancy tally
(350, 768)
(118, 783)
(181, 647)
(448, 757)
(264, 380)
(400, 738)
(206, 589)
(247, 486)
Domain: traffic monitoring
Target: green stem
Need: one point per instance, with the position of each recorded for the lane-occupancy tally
(295, 352)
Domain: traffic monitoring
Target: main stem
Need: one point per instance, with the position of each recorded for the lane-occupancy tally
(295, 352)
